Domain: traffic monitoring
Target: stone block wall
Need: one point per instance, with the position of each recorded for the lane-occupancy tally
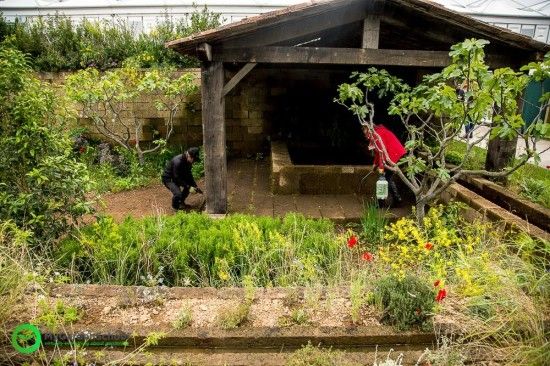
(264, 103)
(259, 109)
(187, 122)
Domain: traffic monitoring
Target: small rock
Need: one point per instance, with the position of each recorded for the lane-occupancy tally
(155, 311)
(106, 310)
(203, 307)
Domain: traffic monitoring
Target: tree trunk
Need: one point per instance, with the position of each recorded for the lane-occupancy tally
(500, 154)
(141, 159)
(420, 212)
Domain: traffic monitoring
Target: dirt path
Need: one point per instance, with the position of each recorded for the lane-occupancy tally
(149, 201)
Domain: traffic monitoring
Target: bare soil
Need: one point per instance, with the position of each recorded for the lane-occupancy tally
(149, 201)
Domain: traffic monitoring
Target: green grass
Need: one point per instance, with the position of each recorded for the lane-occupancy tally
(529, 181)
(195, 250)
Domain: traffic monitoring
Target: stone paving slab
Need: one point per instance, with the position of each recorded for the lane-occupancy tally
(309, 205)
(249, 191)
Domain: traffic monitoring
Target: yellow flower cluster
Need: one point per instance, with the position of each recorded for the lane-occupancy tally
(432, 247)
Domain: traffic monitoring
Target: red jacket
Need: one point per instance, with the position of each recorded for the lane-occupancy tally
(394, 148)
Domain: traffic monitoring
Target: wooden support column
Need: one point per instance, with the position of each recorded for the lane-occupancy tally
(371, 31)
(213, 128)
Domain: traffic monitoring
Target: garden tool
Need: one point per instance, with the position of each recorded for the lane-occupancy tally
(363, 180)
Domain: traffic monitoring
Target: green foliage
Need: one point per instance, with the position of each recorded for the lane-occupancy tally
(56, 43)
(154, 338)
(434, 114)
(535, 190)
(405, 302)
(58, 315)
(118, 169)
(530, 187)
(198, 168)
(42, 186)
(195, 250)
(310, 355)
(373, 223)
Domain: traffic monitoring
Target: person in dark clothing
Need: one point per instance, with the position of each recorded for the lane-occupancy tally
(178, 178)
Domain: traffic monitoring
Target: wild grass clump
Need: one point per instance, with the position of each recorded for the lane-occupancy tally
(15, 266)
(310, 355)
(184, 318)
(232, 317)
(191, 249)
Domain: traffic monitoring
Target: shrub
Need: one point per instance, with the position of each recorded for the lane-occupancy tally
(56, 43)
(405, 302)
(42, 186)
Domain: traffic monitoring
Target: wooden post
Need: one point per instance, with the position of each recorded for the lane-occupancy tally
(213, 128)
(371, 31)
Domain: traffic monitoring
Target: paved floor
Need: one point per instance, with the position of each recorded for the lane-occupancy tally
(249, 191)
(543, 146)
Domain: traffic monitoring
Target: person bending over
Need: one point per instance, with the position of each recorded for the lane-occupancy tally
(384, 139)
(178, 178)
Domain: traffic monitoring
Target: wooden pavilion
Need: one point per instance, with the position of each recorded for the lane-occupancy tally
(410, 35)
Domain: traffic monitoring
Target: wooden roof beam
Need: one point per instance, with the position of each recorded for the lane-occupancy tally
(296, 28)
(338, 56)
(344, 56)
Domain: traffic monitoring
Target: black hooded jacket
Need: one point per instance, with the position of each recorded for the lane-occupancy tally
(178, 170)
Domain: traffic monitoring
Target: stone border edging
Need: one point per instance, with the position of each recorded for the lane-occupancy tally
(482, 208)
(523, 208)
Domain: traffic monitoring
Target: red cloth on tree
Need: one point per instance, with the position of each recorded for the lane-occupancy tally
(394, 148)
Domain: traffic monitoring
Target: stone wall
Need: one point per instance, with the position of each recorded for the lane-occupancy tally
(265, 105)
(270, 102)
(187, 122)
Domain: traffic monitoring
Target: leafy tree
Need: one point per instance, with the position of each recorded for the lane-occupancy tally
(42, 187)
(106, 100)
(434, 115)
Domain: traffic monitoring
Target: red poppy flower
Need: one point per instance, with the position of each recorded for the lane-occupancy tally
(428, 246)
(436, 283)
(352, 241)
(367, 256)
(82, 149)
(442, 294)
